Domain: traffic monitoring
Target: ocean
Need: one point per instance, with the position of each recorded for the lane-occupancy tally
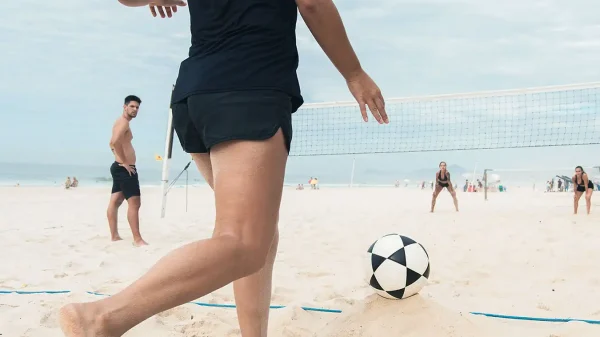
(331, 172)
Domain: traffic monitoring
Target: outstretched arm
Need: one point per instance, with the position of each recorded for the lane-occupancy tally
(586, 180)
(325, 24)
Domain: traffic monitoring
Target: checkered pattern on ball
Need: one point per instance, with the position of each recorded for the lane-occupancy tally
(397, 266)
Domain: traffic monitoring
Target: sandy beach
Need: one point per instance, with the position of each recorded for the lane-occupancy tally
(520, 253)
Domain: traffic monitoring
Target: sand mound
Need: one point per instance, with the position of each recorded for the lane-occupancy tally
(414, 316)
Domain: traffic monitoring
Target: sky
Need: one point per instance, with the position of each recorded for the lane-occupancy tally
(66, 66)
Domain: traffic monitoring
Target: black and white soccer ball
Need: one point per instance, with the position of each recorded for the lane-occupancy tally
(397, 266)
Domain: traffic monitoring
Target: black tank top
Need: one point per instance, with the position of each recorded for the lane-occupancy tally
(241, 45)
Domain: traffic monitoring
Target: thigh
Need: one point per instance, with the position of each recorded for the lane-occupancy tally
(450, 189)
(437, 190)
(117, 198)
(248, 184)
(131, 187)
(189, 136)
(204, 165)
(116, 188)
(116, 178)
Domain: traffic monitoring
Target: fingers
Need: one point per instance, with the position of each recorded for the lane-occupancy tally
(380, 103)
(165, 11)
(161, 11)
(363, 110)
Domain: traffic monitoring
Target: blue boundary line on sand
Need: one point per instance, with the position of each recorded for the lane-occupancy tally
(537, 319)
(215, 305)
(23, 292)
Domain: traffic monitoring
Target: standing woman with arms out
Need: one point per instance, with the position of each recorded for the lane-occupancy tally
(582, 185)
(232, 111)
(442, 178)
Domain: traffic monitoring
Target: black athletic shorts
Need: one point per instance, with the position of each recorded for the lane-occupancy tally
(123, 182)
(204, 120)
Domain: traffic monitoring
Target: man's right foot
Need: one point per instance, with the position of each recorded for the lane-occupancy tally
(140, 242)
(77, 320)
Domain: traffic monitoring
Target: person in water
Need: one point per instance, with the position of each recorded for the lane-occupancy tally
(442, 178)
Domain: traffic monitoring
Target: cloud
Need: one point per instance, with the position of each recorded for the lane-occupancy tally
(73, 61)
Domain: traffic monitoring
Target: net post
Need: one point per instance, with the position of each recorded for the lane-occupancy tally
(485, 183)
(167, 158)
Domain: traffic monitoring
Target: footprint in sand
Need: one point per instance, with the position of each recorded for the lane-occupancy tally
(179, 314)
(50, 320)
(542, 306)
(60, 275)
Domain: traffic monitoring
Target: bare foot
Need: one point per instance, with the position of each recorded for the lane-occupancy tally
(140, 242)
(116, 238)
(76, 320)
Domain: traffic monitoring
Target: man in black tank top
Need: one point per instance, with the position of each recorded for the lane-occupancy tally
(232, 107)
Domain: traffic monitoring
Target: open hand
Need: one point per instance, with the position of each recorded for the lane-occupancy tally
(367, 93)
(130, 169)
(165, 8)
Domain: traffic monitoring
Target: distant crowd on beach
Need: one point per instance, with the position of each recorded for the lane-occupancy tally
(313, 182)
(71, 183)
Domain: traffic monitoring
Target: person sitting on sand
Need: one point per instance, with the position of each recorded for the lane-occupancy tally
(75, 182)
(68, 183)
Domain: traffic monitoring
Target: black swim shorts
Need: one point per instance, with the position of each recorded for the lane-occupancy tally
(204, 120)
(123, 182)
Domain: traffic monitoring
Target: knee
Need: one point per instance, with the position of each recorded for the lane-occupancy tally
(251, 255)
(588, 198)
(134, 203)
(115, 203)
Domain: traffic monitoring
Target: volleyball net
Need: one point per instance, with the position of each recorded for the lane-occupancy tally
(564, 115)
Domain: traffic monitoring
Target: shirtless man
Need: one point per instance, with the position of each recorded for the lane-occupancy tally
(126, 185)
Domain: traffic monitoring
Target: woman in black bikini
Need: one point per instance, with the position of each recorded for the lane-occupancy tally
(582, 184)
(442, 178)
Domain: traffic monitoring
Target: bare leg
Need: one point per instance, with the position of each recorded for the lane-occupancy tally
(436, 192)
(253, 297)
(133, 217)
(453, 193)
(588, 199)
(112, 213)
(252, 293)
(576, 198)
(248, 182)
